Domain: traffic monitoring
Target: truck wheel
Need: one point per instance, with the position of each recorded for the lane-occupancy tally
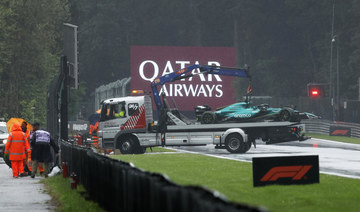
(208, 117)
(130, 145)
(285, 114)
(234, 143)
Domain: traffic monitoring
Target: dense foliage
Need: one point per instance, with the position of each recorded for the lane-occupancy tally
(30, 46)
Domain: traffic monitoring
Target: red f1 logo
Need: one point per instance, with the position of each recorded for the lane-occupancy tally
(295, 172)
(340, 132)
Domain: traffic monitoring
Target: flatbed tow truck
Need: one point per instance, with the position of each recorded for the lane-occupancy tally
(127, 123)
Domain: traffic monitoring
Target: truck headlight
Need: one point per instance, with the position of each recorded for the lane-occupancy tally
(4, 141)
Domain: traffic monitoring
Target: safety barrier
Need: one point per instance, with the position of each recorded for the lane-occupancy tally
(119, 186)
(322, 126)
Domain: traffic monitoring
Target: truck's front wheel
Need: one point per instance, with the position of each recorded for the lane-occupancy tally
(129, 145)
(234, 143)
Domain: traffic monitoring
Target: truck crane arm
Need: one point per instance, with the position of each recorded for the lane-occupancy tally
(187, 72)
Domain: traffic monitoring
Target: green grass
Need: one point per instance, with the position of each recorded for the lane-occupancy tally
(335, 138)
(66, 199)
(234, 179)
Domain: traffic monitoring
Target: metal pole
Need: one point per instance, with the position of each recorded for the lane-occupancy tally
(334, 99)
(359, 88)
(75, 65)
(33, 113)
(331, 61)
(76, 68)
(337, 81)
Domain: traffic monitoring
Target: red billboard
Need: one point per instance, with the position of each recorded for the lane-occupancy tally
(150, 62)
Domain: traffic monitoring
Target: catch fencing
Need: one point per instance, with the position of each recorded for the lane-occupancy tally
(119, 186)
(118, 88)
(322, 126)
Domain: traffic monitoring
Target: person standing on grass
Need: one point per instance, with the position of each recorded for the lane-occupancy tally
(15, 150)
(40, 143)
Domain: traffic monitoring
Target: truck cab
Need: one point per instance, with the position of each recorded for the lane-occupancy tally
(123, 115)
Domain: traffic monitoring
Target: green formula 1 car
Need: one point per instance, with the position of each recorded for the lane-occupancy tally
(244, 112)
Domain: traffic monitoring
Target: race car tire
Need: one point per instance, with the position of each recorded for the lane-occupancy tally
(234, 143)
(208, 117)
(286, 114)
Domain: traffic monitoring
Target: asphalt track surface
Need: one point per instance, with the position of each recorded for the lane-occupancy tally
(335, 158)
(22, 194)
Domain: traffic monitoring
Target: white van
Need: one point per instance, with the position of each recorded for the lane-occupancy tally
(4, 134)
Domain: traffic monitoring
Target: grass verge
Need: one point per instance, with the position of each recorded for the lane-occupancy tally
(234, 179)
(335, 138)
(66, 199)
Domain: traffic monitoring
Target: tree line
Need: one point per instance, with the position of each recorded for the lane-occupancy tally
(30, 46)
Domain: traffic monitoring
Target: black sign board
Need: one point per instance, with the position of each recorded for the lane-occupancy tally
(340, 131)
(287, 170)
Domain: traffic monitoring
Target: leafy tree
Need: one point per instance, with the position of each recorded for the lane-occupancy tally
(30, 48)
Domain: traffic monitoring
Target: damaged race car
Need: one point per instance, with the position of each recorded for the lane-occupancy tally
(244, 112)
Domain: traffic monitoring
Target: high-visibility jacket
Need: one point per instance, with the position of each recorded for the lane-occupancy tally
(16, 144)
(93, 133)
(94, 129)
(27, 140)
(91, 130)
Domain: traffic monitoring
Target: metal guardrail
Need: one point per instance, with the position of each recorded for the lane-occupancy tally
(323, 126)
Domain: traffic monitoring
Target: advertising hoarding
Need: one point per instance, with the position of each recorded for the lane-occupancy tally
(150, 62)
(286, 170)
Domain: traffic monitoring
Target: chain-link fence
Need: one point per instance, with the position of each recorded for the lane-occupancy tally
(118, 88)
(57, 108)
(52, 123)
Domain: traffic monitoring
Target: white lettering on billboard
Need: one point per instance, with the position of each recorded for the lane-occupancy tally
(198, 90)
(219, 91)
(168, 68)
(155, 70)
(151, 72)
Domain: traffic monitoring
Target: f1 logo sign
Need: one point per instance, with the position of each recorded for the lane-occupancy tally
(340, 131)
(285, 170)
(295, 172)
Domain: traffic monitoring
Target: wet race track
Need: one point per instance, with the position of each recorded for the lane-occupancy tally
(335, 158)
